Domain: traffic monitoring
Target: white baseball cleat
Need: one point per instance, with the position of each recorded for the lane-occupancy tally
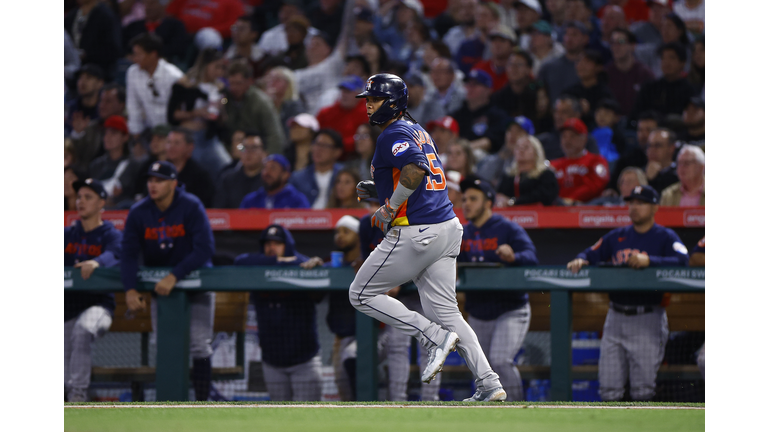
(495, 394)
(437, 356)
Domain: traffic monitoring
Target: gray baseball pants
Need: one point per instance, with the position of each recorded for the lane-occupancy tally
(632, 345)
(202, 309)
(501, 339)
(301, 382)
(79, 334)
(425, 254)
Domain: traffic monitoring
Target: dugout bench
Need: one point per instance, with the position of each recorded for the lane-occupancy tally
(565, 290)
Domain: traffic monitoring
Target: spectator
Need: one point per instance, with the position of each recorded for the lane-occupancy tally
(114, 168)
(157, 145)
(661, 168)
(280, 85)
(475, 49)
(613, 19)
(635, 10)
(435, 48)
(443, 132)
(565, 107)
(528, 12)
(344, 192)
(671, 93)
(519, 97)
(581, 11)
(245, 35)
(500, 318)
(693, 117)
(195, 104)
(450, 17)
(363, 29)
(392, 21)
(148, 84)
(237, 137)
(479, 121)
(95, 32)
(376, 56)
(502, 44)
(672, 30)
(69, 153)
(465, 25)
(89, 243)
(692, 13)
(291, 370)
(84, 107)
(178, 151)
(607, 133)
(295, 55)
(629, 178)
(218, 15)
(87, 134)
(459, 157)
(302, 131)
(635, 331)
(233, 185)
(423, 103)
(450, 92)
(592, 86)
(417, 35)
(558, 16)
(543, 46)
(365, 144)
(346, 114)
(71, 175)
(71, 63)
(529, 180)
(276, 193)
(581, 175)
(169, 29)
(649, 32)
(560, 73)
(492, 167)
(635, 156)
(274, 40)
(689, 191)
(696, 74)
(355, 65)
(625, 73)
(327, 16)
(315, 180)
(452, 180)
(248, 108)
(169, 228)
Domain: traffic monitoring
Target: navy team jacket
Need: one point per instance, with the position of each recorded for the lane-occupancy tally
(480, 245)
(179, 237)
(101, 245)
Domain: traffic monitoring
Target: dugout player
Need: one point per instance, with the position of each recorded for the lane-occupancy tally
(500, 318)
(88, 244)
(170, 229)
(423, 238)
(635, 331)
(287, 324)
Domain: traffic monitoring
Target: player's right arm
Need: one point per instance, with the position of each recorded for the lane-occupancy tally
(599, 252)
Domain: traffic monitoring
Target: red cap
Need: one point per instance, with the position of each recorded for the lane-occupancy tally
(446, 122)
(575, 125)
(116, 122)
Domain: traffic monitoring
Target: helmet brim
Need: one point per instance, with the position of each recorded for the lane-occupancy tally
(373, 93)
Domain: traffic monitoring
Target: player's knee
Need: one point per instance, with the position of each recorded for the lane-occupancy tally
(355, 296)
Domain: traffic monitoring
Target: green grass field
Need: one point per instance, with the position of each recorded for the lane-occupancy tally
(394, 418)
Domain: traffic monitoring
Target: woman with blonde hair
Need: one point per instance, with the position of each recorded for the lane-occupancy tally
(529, 179)
(280, 85)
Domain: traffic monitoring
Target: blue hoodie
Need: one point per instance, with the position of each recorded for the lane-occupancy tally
(287, 320)
(480, 245)
(101, 245)
(179, 237)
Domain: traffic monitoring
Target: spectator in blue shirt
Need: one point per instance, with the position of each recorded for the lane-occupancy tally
(316, 180)
(276, 193)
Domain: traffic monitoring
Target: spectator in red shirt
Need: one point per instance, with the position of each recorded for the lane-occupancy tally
(347, 113)
(217, 14)
(635, 10)
(502, 44)
(581, 175)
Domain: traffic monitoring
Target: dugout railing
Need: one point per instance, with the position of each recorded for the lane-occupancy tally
(172, 371)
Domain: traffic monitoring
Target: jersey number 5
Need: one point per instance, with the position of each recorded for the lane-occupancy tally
(435, 171)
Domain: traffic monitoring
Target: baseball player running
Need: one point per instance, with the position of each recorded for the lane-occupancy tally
(635, 331)
(423, 238)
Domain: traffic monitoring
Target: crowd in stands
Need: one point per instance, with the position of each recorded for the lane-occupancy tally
(550, 101)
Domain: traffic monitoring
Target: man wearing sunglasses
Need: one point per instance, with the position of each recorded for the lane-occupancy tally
(234, 184)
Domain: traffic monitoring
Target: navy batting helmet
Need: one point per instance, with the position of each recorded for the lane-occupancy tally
(388, 86)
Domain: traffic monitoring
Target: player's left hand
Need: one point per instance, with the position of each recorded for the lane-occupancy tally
(165, 285)
(87, 268)
(639, 260)
(311, 263)
(506, 253)
(383, 217)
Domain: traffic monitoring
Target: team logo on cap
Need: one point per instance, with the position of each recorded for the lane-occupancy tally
(601, 170)
(399, 147)
(272, 231)
(88, 181)
(368, 84)
(638, 190)
(156, 166)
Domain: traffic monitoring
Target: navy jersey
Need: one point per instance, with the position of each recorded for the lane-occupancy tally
(102, 245)
(400, 144)
(662, 245)
(480, 245)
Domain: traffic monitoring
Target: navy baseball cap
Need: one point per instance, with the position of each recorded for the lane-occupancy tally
(479, 184)
(364, 14)
(479, 76)
(91, 184)
(280, 159)
(413, 79)
(644, 193)
(352, 83)
(525, 123)
(273, 232)
(163, 170)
